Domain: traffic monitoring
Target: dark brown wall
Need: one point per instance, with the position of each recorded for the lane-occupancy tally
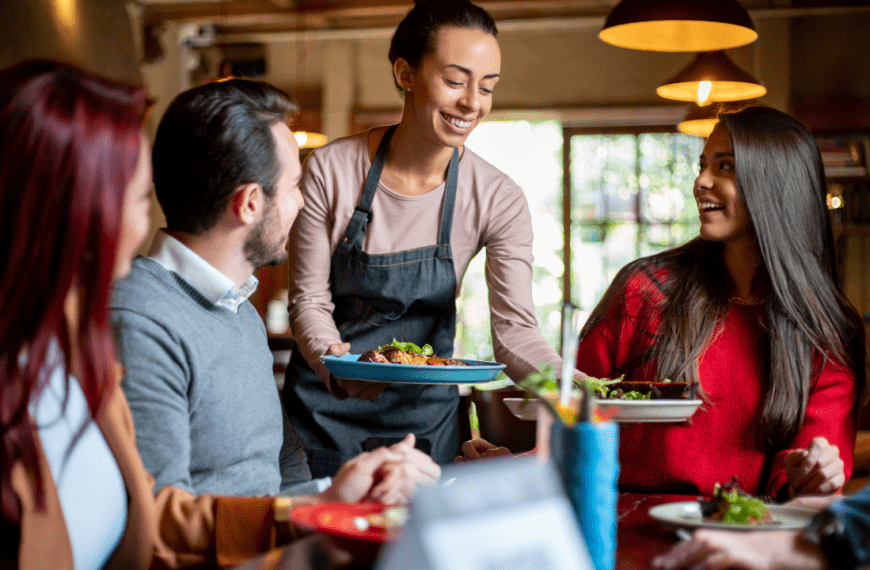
(94, 34)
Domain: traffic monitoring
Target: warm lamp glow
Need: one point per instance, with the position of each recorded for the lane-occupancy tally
(698, 127)
(700, 121)
(310, 140)
(835, 197)
(727, 81)
(678, 25)
(704, 88)
(66, 12)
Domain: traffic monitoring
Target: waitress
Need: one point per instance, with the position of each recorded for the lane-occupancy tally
(392, 218)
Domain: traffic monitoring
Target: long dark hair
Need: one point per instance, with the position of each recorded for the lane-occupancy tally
(780, 179)
(415, 35)
(212, 139)
(69, 144)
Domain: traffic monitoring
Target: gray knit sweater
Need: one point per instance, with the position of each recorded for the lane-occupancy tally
(200, 385)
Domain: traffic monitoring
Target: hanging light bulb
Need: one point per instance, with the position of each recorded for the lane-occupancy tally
(710, 77)
(704, 88)
(678, 25)
(307, 139)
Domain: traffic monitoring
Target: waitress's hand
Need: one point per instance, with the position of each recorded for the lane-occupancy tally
(344, 388)
(362, 389)
(816, 470)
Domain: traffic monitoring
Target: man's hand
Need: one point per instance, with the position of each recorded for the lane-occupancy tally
(480, 449)
(343, 388)
(387, 474)
(399, 480)
(754, 550)
(816, 470)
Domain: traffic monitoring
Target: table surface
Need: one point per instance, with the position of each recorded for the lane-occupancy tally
(639, 537)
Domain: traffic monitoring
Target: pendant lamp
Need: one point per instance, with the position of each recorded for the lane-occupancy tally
(678, 25)
(711, 76)
(699, 121)
(306, 139)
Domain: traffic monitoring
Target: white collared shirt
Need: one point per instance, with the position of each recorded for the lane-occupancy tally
(204, 277)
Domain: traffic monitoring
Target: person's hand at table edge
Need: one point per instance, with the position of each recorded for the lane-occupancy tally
(475, 449)
(816, 470)
(398, 481)
(753, 550)
(388, 474)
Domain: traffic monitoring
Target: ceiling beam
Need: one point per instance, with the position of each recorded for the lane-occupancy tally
(283, 20)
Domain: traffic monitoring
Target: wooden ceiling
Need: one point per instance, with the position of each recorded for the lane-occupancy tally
(241, 17)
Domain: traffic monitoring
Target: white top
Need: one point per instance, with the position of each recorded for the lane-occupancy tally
(91, 490)
(214, 285)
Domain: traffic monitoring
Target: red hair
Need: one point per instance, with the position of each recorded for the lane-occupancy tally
(69, 145)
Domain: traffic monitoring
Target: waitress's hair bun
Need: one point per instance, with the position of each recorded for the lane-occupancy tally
(414, 37)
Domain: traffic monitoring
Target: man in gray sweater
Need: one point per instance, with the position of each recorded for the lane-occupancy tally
(198, 368)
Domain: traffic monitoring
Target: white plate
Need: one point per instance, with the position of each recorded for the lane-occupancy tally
(687, 514)
(624, 411)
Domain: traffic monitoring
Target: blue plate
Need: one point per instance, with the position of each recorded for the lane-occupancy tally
(348, 366)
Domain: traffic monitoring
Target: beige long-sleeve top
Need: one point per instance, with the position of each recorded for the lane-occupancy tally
(491, 212)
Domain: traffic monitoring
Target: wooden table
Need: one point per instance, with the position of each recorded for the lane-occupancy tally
(639, 538)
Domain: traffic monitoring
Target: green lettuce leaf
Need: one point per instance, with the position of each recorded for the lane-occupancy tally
(426, 350)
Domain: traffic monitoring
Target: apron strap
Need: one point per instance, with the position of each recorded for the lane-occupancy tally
(356, 228)
(355, 232)
(448, 202)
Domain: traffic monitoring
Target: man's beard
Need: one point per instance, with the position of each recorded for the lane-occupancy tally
(259, 251)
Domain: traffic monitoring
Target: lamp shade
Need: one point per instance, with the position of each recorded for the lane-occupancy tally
(678, 25)
(699, 121)
(710, 77)
(307, 139)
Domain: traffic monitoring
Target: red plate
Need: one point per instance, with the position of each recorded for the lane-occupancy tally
(337, 521)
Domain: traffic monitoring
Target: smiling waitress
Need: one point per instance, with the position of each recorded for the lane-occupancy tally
(392, 218)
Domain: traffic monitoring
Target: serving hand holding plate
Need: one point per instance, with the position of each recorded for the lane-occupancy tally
(344, 388)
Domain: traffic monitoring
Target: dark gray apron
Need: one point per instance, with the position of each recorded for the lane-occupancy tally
(409, 296)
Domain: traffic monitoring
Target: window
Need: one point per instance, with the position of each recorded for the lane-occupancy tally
(630, 196)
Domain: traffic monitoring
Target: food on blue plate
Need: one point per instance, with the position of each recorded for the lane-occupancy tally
(407, 353)
(730, 504)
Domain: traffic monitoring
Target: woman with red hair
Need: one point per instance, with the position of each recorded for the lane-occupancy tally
(75, 179)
